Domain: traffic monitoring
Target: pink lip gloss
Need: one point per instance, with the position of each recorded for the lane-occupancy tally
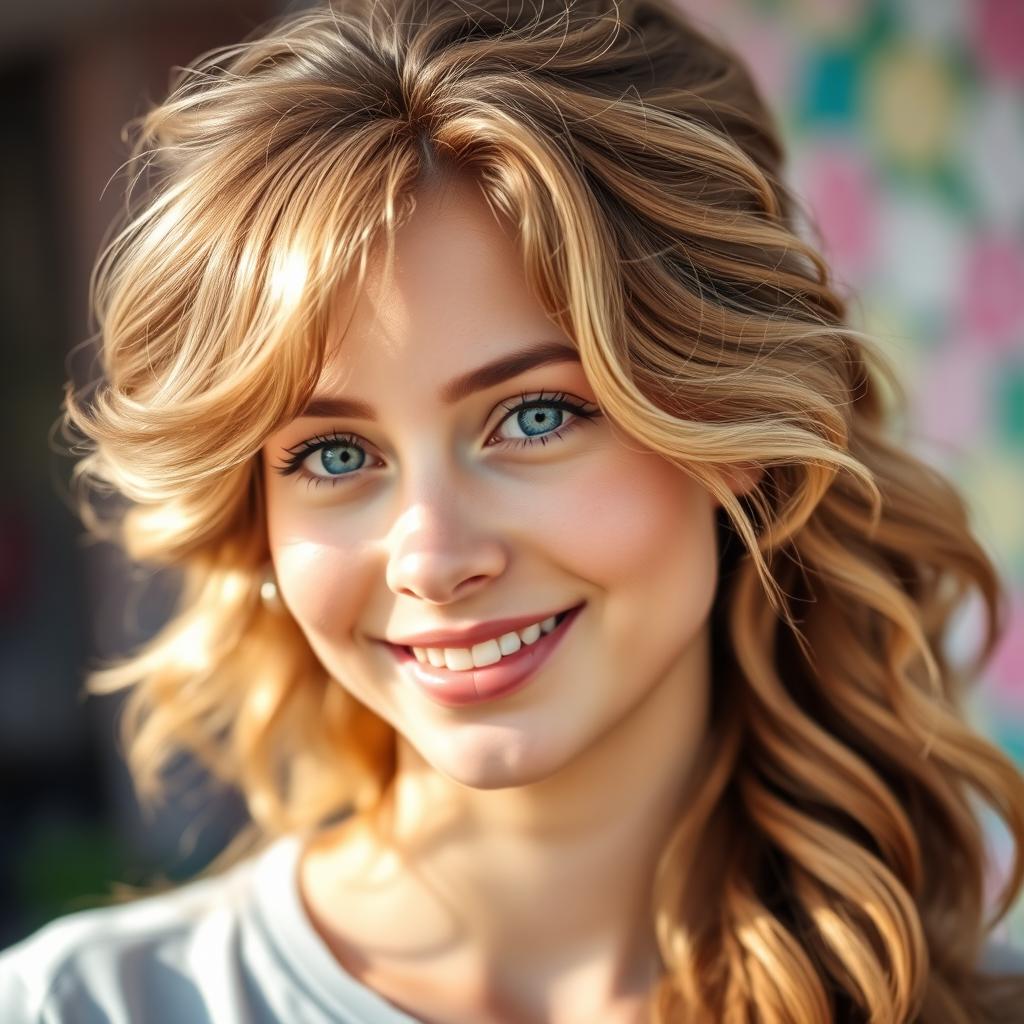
(473, 686)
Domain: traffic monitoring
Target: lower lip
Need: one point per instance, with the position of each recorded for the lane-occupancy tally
(474, 686)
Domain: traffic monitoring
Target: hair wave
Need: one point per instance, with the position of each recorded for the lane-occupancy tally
(638, 161)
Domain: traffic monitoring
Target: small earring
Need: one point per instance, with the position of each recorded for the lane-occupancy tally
(269, 593)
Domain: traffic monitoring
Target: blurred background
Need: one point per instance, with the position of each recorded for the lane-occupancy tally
(905, 125)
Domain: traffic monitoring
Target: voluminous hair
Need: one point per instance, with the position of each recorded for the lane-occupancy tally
(642, 172)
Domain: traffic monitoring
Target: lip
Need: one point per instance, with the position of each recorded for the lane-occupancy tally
(474, 686)
(467, 636)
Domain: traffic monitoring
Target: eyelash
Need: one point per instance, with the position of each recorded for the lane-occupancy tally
(300, 452)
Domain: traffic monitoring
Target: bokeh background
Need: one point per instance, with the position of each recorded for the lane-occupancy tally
(905, 125)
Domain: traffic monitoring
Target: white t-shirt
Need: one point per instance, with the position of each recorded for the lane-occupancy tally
(238, 948)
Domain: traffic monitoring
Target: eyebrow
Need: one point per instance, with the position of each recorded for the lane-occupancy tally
(487, 376)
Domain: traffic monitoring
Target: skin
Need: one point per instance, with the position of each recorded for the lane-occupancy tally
(512, 879)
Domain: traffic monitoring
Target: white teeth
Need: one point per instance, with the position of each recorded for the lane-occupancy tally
(486, 653)
(531, 634)
(489, 652)
(458, 658)
(509, 643)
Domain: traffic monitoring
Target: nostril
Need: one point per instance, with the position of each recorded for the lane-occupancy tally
(470, 582)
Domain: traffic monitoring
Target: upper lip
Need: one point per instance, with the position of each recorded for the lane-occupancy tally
(471, 633)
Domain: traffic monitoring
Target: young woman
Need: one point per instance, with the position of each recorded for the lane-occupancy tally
(552, 589)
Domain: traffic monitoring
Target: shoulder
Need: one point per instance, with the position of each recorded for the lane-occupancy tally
(150, 959)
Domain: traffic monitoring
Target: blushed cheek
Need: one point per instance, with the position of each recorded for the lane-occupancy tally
(627, 517)
(317, 570)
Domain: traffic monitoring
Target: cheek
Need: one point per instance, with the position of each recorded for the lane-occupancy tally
(308, 548)
(631, 517)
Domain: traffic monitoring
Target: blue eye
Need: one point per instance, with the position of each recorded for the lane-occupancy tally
(338, 459)
(541, 419)
(340, 455)
(536, 422)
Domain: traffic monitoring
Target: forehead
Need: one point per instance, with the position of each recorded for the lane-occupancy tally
(454, 296)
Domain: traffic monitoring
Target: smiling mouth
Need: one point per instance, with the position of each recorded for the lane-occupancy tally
(470, 685)
(559, 619)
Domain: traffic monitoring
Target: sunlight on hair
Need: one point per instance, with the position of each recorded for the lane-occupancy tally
(191, 647)
(236, 585)
(162, 521)
(262, 702)
(288, 279)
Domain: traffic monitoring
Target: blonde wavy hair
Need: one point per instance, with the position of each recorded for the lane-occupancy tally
(643, 171)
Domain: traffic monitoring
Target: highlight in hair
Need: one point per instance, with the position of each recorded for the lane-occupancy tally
(643, 172)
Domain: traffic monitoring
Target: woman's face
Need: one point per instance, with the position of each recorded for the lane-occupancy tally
(437, 507)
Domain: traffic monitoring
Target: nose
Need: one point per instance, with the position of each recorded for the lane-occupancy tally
(438, 553)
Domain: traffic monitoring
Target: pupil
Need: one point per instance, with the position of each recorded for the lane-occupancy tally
(338, 457)
(539, 418)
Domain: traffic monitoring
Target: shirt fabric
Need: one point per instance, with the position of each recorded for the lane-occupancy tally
(237, 948)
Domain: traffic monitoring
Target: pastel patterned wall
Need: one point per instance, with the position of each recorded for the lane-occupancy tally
(905, 125)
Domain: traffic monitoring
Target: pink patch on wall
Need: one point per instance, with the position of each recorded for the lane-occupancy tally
(999, 37)
(991, 302)
(1007, 665)
(770, 50)
(949, 398)
(839, 184)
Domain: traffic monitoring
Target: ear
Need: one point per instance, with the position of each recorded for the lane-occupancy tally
(741, 478)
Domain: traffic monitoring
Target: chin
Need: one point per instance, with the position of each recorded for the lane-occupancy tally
(493, 757)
